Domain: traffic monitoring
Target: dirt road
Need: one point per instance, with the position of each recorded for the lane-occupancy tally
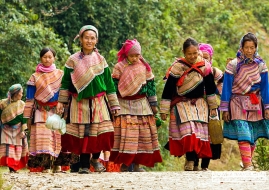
(201, 180)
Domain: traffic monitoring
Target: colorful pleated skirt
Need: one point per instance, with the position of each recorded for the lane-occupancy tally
(136, 137)
(13, 149)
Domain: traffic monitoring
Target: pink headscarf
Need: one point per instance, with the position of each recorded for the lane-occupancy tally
(207, 48)
(131, 47)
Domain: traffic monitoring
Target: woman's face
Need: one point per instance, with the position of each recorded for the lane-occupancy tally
(133, 58)
(206, 56)
(249, 49)
(88, 41)
(47, 59)
(191, 54)
(18, 96)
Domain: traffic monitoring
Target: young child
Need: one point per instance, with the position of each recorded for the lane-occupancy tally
(136, 138)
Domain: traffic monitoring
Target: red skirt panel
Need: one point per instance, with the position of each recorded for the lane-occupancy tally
(89, 144)
(145, 159)
(188, 144)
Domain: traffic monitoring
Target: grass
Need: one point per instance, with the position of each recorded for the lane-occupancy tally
(2, 181)
(230, 157)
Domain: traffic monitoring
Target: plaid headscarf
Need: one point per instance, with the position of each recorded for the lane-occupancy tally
(84, 28)
(131, 47)
(242, 59)
(12, 90)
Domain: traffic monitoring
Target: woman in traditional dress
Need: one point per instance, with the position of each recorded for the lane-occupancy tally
(87, 79)
(136, 138)
(207, 53)
(183, 97)
(41, 100)
(13, 147)
(245, 99)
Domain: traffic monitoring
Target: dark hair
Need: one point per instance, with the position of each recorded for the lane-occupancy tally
(249, 37)
(47, 49)
(189, 42)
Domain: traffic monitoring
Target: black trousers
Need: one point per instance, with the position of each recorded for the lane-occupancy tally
(192, 156)
(85, 159)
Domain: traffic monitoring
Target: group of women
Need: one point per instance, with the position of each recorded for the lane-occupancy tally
(115, 112)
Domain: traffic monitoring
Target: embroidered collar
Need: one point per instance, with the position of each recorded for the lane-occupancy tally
(82, 54)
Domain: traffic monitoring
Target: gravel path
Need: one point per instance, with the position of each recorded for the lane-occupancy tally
(208, 180)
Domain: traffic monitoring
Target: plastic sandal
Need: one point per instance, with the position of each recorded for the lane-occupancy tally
(83, 171)
(140, 170)
(57, 169)
(98, 167)
(46, 171)
(11, 170)
(189, 166)
(124, 168)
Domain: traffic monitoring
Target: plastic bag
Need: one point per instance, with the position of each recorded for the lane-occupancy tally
(55, 122)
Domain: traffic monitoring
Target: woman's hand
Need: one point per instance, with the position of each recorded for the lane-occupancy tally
(163, 116)
(114, 113)
(266, 114)
(154, 109)
(59, 108)
(226, 116)
(22, 135)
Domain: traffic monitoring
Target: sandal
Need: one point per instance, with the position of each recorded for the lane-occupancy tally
(46, 171)
(11, 170)
(189, 166)
(124, 168)
(57, 169)
(98, 167)
(83, 171)
(249, 168)
(139, 170)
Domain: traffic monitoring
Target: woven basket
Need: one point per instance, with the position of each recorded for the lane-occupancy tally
(215, 131)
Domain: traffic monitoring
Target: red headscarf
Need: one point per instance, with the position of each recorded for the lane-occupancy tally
(131, 47)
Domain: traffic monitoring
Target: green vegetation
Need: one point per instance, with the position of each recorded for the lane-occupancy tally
(4, 185)
(262, 152)
(160, 26)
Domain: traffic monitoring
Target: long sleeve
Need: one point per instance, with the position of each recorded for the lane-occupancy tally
(265, 90)
(65, 86)
(30, 101)
(151, 93)
(168, 92)
(210, 86)
(226, 92)
(110, 87)
(111, 90)
(66, 80)
(116, 82)
(210, 89)
(169, 88)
